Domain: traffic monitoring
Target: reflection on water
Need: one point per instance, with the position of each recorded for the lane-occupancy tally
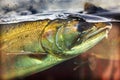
(23, 7)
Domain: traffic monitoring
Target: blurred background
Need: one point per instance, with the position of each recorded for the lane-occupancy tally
(102, 62)
(23, 7)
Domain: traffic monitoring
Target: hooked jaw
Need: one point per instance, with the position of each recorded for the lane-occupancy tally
(90, 37)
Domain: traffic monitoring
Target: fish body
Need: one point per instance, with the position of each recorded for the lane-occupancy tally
(34, 45)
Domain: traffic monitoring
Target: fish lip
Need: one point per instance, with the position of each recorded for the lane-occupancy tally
(107, 28)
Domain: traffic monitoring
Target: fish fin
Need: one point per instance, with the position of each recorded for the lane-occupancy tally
(90, 8)
(19, 64)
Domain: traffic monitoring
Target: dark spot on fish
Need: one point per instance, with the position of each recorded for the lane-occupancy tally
(82, 26)
(19, 37)
(26, 36)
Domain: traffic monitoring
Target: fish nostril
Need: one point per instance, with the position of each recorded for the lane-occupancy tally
(82, 26)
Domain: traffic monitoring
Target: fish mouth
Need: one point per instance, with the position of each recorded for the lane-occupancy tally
(90, 39)
(93, 32)
(100, 30)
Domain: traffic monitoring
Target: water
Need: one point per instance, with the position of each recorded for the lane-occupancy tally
(26, 7)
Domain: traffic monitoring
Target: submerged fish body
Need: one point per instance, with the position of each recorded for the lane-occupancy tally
(30, 46)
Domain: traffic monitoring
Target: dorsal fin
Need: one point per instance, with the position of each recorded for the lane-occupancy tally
(91, 8)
